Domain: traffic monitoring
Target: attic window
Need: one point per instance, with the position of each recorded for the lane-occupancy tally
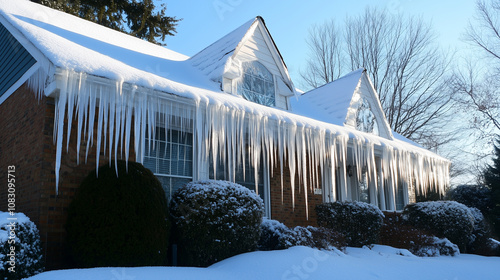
(257, 84)
(365, 119)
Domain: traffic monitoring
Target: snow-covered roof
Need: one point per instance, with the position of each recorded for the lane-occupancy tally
(142, 70)
(330, 102)
(78, 45)
(72, 43)
(212, 60)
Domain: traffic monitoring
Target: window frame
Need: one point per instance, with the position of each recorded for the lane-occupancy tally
(185, 138)
(256, 96)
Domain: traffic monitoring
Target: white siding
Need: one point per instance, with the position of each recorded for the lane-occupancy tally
(256, 48)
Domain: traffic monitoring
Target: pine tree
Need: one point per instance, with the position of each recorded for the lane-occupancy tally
(139, 18)
(492, 180)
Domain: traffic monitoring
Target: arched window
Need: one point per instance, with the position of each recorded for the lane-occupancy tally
(365, 119)
(257, 84)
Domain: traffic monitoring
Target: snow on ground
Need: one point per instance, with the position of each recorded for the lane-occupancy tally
(296, 263)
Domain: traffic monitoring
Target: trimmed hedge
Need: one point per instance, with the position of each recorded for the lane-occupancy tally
(215, 220)
(359, 222)
(26, 259)
(396, 233)
(119, 221)
(444, 219)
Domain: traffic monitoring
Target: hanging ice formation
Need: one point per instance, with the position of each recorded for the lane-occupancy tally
(309, 148)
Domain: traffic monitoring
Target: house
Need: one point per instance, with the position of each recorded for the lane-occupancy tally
(75, 95)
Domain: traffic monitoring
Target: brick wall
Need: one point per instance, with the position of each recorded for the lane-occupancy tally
(26, 141)
(21, 132)
(281, 206)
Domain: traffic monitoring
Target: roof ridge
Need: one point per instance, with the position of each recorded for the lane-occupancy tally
(248, 23)
(362, 69)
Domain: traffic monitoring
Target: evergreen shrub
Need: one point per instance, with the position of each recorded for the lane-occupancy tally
(399, 234)
(479, 241)
(359, 222)
(275, 236)
(444, 219)
(119, 221)
(476, 196)
(26, 259)
(319, 238)
(215, 220)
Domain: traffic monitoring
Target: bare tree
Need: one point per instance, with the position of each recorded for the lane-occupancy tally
(324, 42)
(478, 94)
(479, 89)
(405, 65)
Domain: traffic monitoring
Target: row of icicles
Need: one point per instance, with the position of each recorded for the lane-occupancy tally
(232, 134)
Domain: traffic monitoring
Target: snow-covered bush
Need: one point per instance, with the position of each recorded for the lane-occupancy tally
(472, 196)
(19, 233)
(319, 237)
(396, 233)
(275, 236)
(435, 247)
(444, 219)
(359, 222)
(215, 220)
(119, 221)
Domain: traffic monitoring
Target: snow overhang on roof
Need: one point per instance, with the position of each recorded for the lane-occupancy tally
(139, 72)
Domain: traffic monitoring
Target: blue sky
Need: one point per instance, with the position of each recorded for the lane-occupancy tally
(204, 21)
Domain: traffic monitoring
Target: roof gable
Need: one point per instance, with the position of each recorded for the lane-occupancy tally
(223, 58)
(337, 102)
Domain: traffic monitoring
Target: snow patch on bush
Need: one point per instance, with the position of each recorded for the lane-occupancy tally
(439, 247)
(359, 222)
(19, 232)
(214, 220)
(445, 219)
(275, 236)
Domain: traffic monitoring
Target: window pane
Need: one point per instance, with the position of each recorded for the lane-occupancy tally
(257, 84)
(172, 156)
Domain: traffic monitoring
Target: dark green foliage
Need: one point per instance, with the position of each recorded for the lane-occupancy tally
(492, 180)
(215, 220)
(431, 195)
(479, 239)
(28, 259)
(138, 18)
(275, 236)
(359, 222)
(119, 221)
(476, 196)
(444, 219)
(399, 234)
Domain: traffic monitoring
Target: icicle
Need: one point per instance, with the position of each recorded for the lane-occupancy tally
(59, 125)
(227, 132)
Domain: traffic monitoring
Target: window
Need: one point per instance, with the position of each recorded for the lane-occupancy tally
(363, 191)
(257, 84)
(365, 119)
(170, 158)
(400, 197)
(244, 177)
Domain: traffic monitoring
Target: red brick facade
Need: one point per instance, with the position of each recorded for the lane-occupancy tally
(27, 143)
(283, 210)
